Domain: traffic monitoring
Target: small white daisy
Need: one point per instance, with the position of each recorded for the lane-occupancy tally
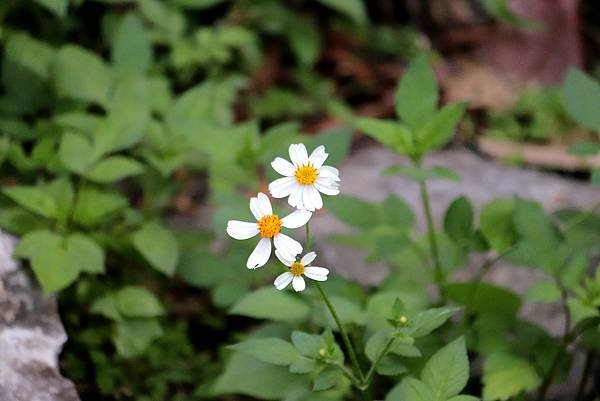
(268, 225)
(297, 270)
(304, 178)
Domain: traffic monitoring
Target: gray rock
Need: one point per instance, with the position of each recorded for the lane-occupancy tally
(31, 337)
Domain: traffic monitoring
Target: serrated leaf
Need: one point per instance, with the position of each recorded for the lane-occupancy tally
(496, 224)
(439, 129)
(93, 206)
(354, 9)
(132, 337)
(327, 379)
(159, 247)
(268, 303)
(114, 168)
(82, 75)
(484, 298)
(582, 96)
(506, 376)
(410, 389)
(88, 255)
(131, 49)
(446, 373)
(75, 152)
(417, 94)
(458, 221)
(391, 134)
(543, 291)
(33, 198)
(427, 321)
(271, 350)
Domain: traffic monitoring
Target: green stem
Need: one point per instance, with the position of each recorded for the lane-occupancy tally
(343, 332)
(349, 375)
(587, 369)
(567, 337)
(372, 370)
(438, 273)
(345, 338)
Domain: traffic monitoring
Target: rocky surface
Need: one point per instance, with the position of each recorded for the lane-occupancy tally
(31, 337)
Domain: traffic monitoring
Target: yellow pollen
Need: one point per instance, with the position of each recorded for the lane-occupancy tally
(269, 226)
(297, 269)
(306, 175)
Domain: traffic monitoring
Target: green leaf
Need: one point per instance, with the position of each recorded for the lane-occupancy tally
(88, 255)
(463, 398)
(131, 48)
(502, 10)
(345, 207)
(391, 134)
(496, 224)
(446, 373)
(354, 9)
(271, 350)
(132, 337)
(439, 129)
(82, 75)
(266, 381)
(107, 307)
(93, 206)
(305, 40)
(417, 94)
(396, 213)
(53, 266)
(543, 291)
(138, 302)
(158, 246)
(427, 321)
(58, 7)
(62, 191)
(423, 174)
(268, 303)
(114, 168)
(582, 96)
(458, 222)
(327, 378)
(410, 389)
(506, 376)
(33, 198)
(75, 152)
(484, 298)
(308, 345)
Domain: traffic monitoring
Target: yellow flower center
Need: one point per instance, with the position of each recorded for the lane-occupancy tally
(269, 226)
(297, 269)
(306, 175)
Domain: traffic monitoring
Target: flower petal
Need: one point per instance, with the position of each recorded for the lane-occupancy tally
(288, 246)
(283, 167)
(241, 229)
(296, 219)
(309, 257)
(284, 259)
(318, 156)
(255, 209)
(283, 280)
(327, 187)
(260, 256)
(282, 187)
(329, 172)
(321, 271)
(298, 154)
(315, 197)
(264, 204)
(295, 199)
(298, 283)
(307, 199)
(316, 273)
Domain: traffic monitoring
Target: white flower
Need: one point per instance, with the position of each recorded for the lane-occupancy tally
(297, 269)
(305, 178)
(268, 225)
